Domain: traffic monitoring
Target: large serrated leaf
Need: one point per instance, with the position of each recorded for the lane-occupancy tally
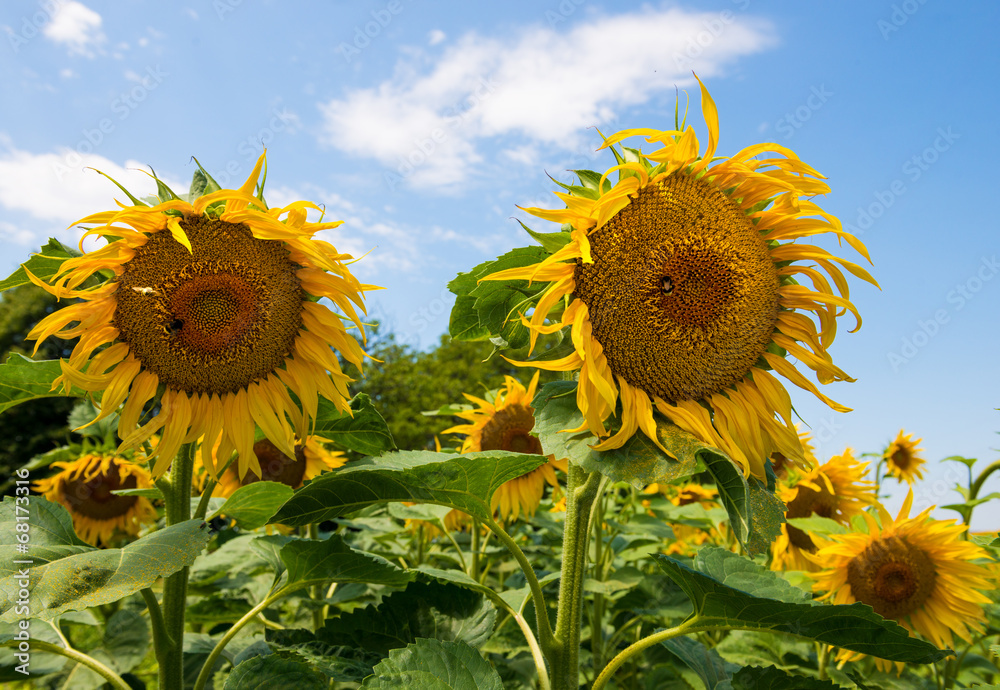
(42, 265)
(435, 665)
(435, 610)
(364, 431)
(275, 672)
(712, 669)
(466, 482)
(309, 560)
(339, 663)
(254, 504)
(771, 678)
(23, 379)
(93, 578)
(739, 572)
(855, 626)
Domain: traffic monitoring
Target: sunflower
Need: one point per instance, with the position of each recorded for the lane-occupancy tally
(917, 571)
(214, 302)
(780, 464)
(506, 424)
(837, 490)
(901, 459)
(681, 296)
(84, 487)
(310, 460)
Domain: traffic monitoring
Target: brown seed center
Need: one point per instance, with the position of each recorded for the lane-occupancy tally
(892, 576)
(510, 429)
(275, 466)
(92, 497)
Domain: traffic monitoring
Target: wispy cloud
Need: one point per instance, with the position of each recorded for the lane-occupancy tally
(427, 122)
(77, 27)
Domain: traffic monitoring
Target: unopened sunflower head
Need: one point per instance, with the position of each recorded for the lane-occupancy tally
(902, 460)
(210, 302)
(917, 571)
(85, 485)
(837, 490)
(505, 423)
(679, 284)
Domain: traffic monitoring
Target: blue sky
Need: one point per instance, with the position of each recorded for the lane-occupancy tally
(423, 126)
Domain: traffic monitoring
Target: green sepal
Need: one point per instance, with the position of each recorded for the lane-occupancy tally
(592, 180)
(576, 190)
(163, 192)
(135, 201)
(202, 183)
(42, 265)
(551, 241)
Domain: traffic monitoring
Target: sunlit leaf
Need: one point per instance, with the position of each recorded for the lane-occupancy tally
(435, 665)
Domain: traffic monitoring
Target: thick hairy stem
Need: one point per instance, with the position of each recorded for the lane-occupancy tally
(177, 502)
(564, 656)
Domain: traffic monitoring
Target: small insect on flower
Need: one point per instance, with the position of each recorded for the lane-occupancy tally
(146, 290)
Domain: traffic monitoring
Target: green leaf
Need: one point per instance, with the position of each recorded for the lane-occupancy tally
(23, 379)
(766, 513)
(42, 265)
(126, 639)
(41, 663)
(201, 183)
(466, 482)
(93, 578)
(254, 504)
(550, 241)
(152, 494)
(275, 672)
(638, 462)
(364, 432)
(743, 574)
(463, 324)
(332, 560)
(771, 678)
(713, 670)
(818, 525)
(435, 665)
(339, 663)
(434, 610)
(855, 626)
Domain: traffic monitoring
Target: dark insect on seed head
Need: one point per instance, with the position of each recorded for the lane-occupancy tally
(667, 285)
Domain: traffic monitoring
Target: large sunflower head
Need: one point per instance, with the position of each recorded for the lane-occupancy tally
(837, 490)
(917, 571)
(311, 458)
(85, 485)
(209, 303)
(680, 285)
(505, 423)
(901, 459)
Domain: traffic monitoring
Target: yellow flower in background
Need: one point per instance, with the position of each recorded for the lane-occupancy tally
(688, 537)
(506, 424)
(84, 487)
(837, 490)
(211, 301)
(679, 287)
(916, 571)
(780, 464)
(310, 460)
(901, 459)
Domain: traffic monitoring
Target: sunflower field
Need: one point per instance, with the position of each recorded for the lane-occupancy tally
(625, 500)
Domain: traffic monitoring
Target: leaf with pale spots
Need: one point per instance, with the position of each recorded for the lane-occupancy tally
(93, 578)
(466, 482)
(279, 670)
(853, 626)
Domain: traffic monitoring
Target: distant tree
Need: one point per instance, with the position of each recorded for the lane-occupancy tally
(408, 382)
(38, 426)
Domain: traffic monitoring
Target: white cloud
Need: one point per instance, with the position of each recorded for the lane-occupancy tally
(436, 36)
(77, 27)
(544, 86)
(52, 190)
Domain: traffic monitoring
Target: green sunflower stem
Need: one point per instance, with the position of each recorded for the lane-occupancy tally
(177, 502)
(564, 655)
(978, 484)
